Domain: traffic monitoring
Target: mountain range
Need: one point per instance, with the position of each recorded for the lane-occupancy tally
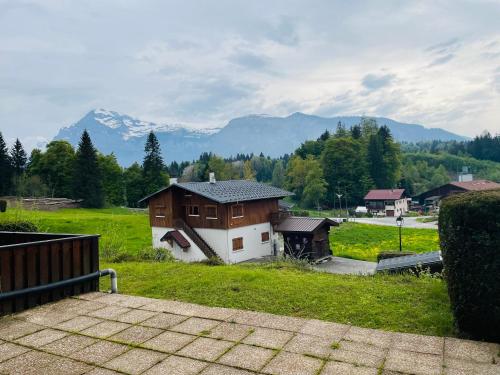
(274, 136)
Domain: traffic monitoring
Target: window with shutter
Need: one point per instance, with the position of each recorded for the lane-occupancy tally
(237, 243)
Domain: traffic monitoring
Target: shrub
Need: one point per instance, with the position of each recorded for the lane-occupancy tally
(3, 205)
(393, 254)
(18, 226)
(300, 213)
(158, 254)
(469, 232)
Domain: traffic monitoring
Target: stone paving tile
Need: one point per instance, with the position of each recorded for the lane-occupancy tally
(109, 312)
(11, 329)
(340, 368)
(356, 358)
(458, 366)
(163, 320)
(320, 328)
(292, 364)
(260, 319)
(135, 361)
(134, 301)
(195, 326)
(174, 365)
(311, 345)
(419, 343)
(169, 342)
(217, 313)
(41, 338)
(64, 366)
(135, 316)
(468, 350)
(8, 350)
(28, 363)
(68, 345)
(90, 296)
(158, 306)
(230, 331)
(247, 357)
(102, 371)
(361, 347)
(110, 299)
(370, 336)
(100, 352)
(269, 338)
(136, 335)
(105, 329)
(78, 324)
(224, 370)
(48, 317)
(205, 349)
(413, 363)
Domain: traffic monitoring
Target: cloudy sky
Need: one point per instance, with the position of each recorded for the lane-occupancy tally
(201, 63)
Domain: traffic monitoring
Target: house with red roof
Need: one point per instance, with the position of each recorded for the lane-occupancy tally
(386, 202)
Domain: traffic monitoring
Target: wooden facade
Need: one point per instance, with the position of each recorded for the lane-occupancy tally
(308, 245)
(198, 212)
(32, 259)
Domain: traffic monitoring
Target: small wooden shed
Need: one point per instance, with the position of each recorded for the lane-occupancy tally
(306, 237)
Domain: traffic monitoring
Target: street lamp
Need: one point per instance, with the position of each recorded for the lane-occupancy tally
(399, 223)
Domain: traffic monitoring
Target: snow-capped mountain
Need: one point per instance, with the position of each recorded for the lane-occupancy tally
(274, 136)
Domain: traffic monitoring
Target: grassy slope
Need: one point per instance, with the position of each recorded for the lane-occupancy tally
(365, 241)
(400, 303)
(118, 226)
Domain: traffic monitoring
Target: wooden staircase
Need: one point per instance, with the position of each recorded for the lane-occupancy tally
(196, 238)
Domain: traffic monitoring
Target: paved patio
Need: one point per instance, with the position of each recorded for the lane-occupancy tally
(105, 334)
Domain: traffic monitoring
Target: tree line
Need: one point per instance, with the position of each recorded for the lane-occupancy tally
(84, 174)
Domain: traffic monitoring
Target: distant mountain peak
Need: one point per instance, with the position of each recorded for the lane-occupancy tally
(274, 136)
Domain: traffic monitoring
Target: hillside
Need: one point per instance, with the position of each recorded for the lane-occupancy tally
(273, 136)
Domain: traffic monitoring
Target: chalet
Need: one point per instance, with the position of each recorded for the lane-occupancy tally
(386, 202)
(226, 219)
(431, 198)
(306, 237)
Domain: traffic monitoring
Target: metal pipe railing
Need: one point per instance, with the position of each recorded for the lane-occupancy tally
(62, 284)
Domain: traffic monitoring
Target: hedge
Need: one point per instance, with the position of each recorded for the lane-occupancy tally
(18, 226)
(469, 233)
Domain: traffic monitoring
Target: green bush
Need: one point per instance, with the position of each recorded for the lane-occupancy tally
(469, 232)
(157, 254)
(3, 205)
(18, 226)
(393, 254)
(300, 213)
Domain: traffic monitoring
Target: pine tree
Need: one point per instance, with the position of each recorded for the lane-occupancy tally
(18, 158)
(152, 167)
(5, 168)
(87, 176)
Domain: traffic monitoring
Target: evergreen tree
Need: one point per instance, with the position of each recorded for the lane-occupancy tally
(152, 167)
(56, 168)
(18, 158)
(133, 185)
(87, 174)
(356, 132)
(278, 178)
(112, 180)
(5, 168)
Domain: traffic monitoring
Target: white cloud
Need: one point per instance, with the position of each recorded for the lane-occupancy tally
(204, 63)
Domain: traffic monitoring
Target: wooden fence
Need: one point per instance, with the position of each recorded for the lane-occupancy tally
(33, 259)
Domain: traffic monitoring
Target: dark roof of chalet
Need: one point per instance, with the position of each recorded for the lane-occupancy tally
(285, 205)
(303, 224)
(389, 194)
(229, 191)
(177, 237)
(476, 185)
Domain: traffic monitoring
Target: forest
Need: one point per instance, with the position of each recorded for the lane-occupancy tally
(348, 162)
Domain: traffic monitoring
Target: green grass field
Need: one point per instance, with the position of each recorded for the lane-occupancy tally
(128, 232)
(365, 241)
(399, 303)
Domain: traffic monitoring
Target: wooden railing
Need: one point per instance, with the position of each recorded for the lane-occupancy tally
(33, 259)
(197, 239)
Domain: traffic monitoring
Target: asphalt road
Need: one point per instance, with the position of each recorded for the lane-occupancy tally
(409, 222)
